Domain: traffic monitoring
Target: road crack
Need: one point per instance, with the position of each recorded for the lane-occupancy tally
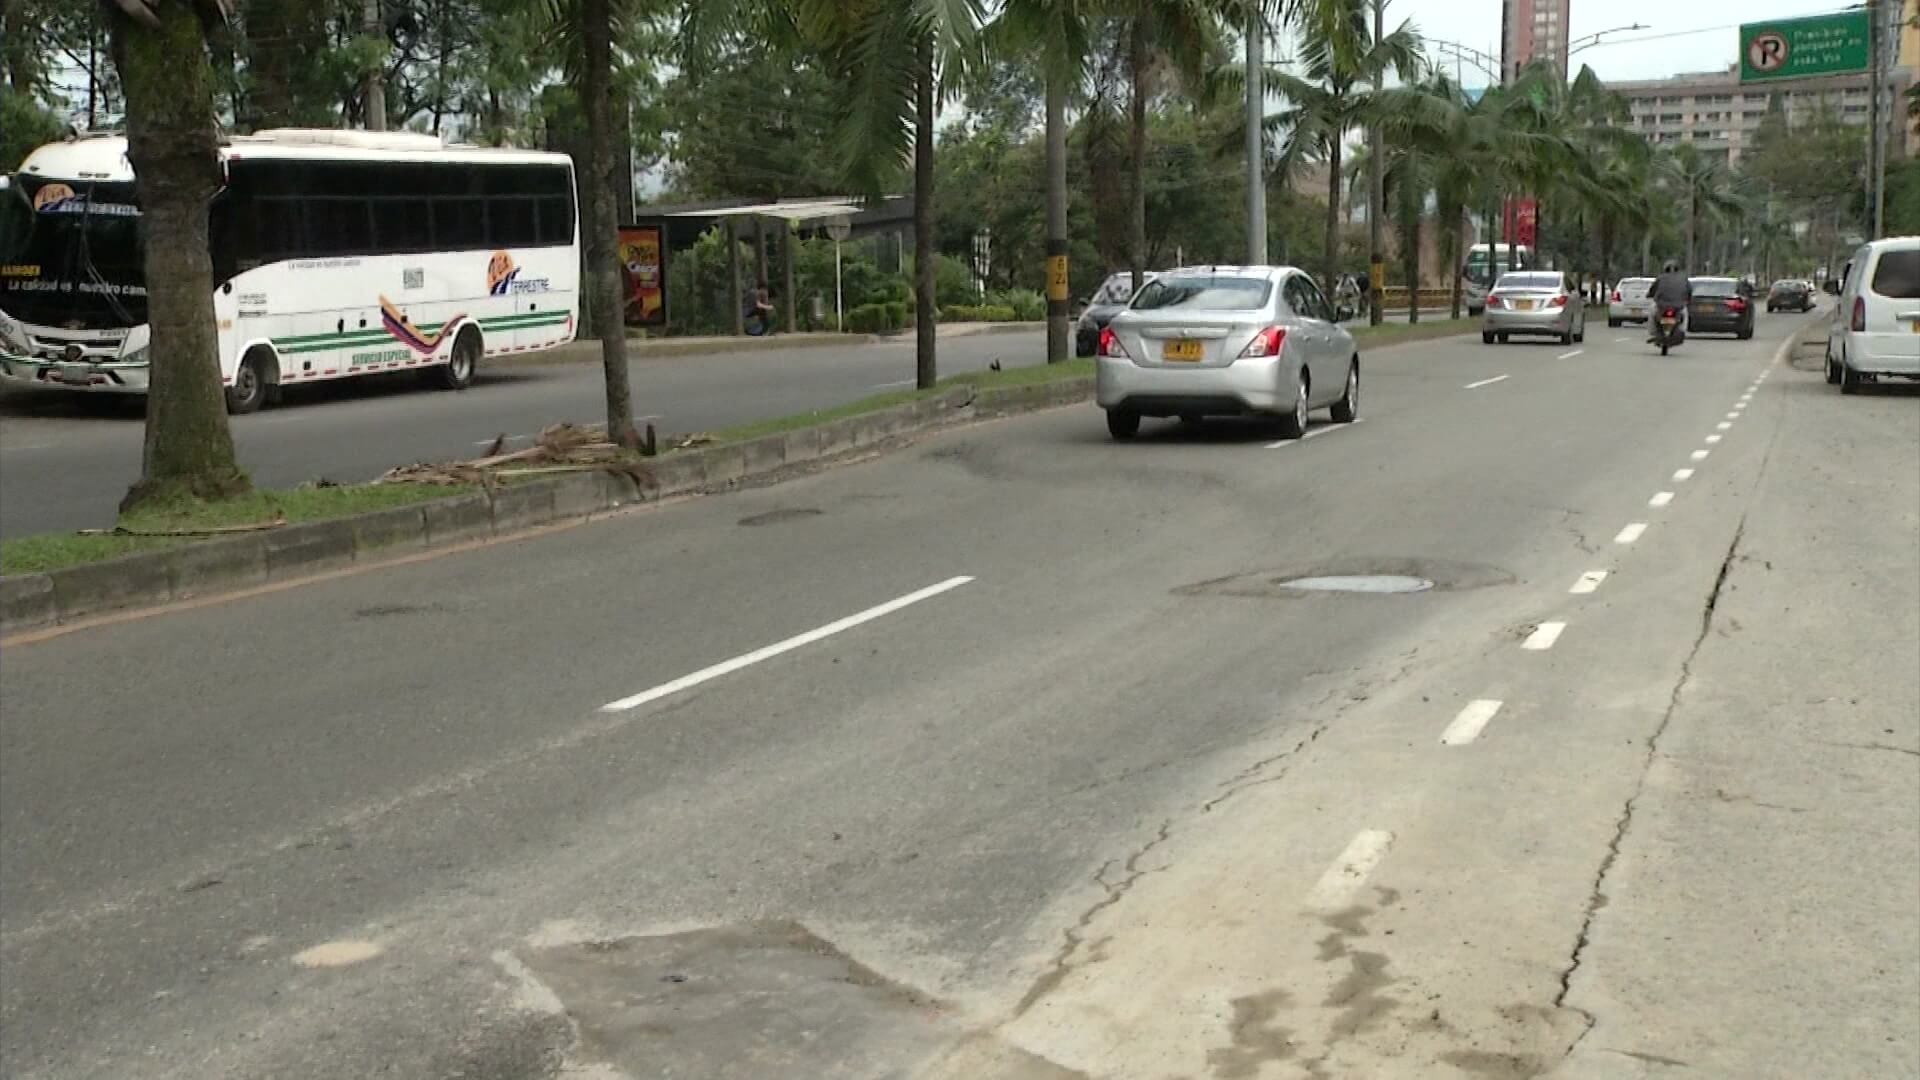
(1597, 897)
(1063, 963)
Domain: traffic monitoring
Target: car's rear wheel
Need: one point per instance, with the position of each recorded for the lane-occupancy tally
(1294, 424)
(250, 382)
(1123, 423)
(457, 373)
(1833, 371)
(1614, 324)
(1486, 337)
(1850, 380)
(1502, 336)
(1347, 409)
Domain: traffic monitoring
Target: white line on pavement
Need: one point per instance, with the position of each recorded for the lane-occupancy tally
(1711, 439)
(1700, 455)
(1486, 382)
(1313, 434)
(1621, 340)
(727, 667)
(895, 385)
(1589, 582)
(1543, 636)
(1725, 425)
(1683, 475)
(1571, 355)
(1350, 871)
(1467, 726)
(1631, 533)
(1660, 499)
(1735, 414)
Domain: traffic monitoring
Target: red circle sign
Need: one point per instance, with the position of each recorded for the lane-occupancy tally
(1767, 51)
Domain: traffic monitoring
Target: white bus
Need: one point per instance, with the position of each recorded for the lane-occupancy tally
(1485, 264)
(335, 254)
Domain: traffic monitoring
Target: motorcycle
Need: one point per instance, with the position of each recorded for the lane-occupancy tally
(1671, 331)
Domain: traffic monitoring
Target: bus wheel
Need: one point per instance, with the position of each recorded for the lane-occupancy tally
(250, 383)
(457, 372)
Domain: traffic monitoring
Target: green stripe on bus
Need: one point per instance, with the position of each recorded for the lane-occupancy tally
(356, 338)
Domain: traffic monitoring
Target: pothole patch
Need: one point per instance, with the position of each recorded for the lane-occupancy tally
(775, 517)
(1355, 575)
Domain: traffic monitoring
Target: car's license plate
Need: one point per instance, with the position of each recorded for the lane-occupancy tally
(1915, 323)
(77, 374)
(1523, 305)
(1185, 350)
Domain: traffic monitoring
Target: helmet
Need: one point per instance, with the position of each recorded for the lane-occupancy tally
(1673, 266)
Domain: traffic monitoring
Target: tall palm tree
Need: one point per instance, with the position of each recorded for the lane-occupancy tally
(160, 48)
(1162, 36)
(1341, 60)
(889, 57)
(1704, 187)
(1060, 30)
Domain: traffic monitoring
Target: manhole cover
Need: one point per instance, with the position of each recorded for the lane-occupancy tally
(1362, 583)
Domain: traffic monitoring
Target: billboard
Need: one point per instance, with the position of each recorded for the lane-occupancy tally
(1834, 44)
(643, 274)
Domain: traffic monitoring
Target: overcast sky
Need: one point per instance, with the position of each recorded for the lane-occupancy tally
(1667, 47)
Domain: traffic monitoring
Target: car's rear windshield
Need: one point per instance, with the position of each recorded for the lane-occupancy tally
(1898, 275)
(1715, 287)
(1198, 293)
(1529, 281)
(1788, 285)
(1117, 290)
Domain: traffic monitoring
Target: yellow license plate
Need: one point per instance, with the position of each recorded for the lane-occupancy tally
(1523, 305)
(1916, 325)
(1186, 350)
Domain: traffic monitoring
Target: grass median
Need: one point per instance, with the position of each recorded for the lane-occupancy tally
(1031, 375)
(1402, 333)
(187, 523)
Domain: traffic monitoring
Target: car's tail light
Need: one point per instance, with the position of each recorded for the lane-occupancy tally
(1495, 301)
(1560, 301)
(1110, 345)
(1736, 304)
(1859, 313)
(1616, 296)
(1266, 343)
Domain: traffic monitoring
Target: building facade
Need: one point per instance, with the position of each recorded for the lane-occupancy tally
(1533, 30)
(1714, 112)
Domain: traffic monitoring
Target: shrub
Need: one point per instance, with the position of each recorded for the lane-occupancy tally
(899, 314)
(977, 313)
(872, 319)
(1027, 305)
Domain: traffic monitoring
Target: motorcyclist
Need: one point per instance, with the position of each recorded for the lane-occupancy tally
(1672, 289)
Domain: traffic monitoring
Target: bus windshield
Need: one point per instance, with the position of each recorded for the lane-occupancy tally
(1482, 269)
(70, 254)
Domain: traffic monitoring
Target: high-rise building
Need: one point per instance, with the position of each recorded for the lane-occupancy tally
(1716, 113)
(1533, 30)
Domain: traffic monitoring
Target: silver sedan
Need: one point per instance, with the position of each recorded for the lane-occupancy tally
(1227, 340)
(1541, 302)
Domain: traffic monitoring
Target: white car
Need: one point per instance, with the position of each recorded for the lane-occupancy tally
(1629, 303)
(1876, 325)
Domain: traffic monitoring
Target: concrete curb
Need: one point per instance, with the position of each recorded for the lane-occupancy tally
(30, 602)
(587, 350)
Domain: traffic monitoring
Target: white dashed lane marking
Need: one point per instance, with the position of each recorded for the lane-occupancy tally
(1589, 582)
(1683, 475)
(1313, 434)
(1700, 455)
(1661, 499)
(1486, 382)
(1631, 533)
(1467, 726)
(1348, 874)
(1544, 636)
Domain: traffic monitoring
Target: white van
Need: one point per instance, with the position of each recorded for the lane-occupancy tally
(1876, 331)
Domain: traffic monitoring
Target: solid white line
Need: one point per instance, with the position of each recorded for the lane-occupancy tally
(1571, 355)
(1700, 455)
(727, 667)
(1631, 533)
(1467, 726)
(1661, 499)
(1543, 636)
(1711, 439)
(1312, 434)
(1350, 871)
(1486, 382)
(1589, 582)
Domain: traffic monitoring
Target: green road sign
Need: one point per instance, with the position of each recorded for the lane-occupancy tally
(1804, 48)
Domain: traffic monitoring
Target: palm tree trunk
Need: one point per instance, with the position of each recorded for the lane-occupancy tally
(602, 234)
(1412, 257)
(1137, 222)
(172, 144)
(925, 317)
(1059, 333)
(1693, 218)
(1332, 259)
(1450, 254)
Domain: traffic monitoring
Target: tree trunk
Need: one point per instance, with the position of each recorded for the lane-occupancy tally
(1059, 332)
(602, 233)
(1452, 249)
(925, 315)
(1137, 156)
(789, 299)
(739, 297)
(1412, 252)
(172, 145)
(760, 252)
(22, 47)
(1332, 258)
(1693, 218)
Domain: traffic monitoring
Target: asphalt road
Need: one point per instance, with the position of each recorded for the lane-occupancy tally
(1005, 755)
(66, 459)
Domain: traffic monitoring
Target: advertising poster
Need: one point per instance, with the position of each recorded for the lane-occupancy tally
(644, 274)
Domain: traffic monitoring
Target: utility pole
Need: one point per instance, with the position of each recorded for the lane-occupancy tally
(1376, 189)
(376, 82)
(1881, 36)
(1256, 153)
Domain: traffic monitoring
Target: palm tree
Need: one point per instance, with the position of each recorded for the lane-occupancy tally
(1179, 35)
(889, 57)
(1060, 28)
(1340, 56)
(1704, 188)
(160, 48)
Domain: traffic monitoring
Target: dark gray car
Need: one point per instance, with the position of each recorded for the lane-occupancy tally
(1109, 300)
